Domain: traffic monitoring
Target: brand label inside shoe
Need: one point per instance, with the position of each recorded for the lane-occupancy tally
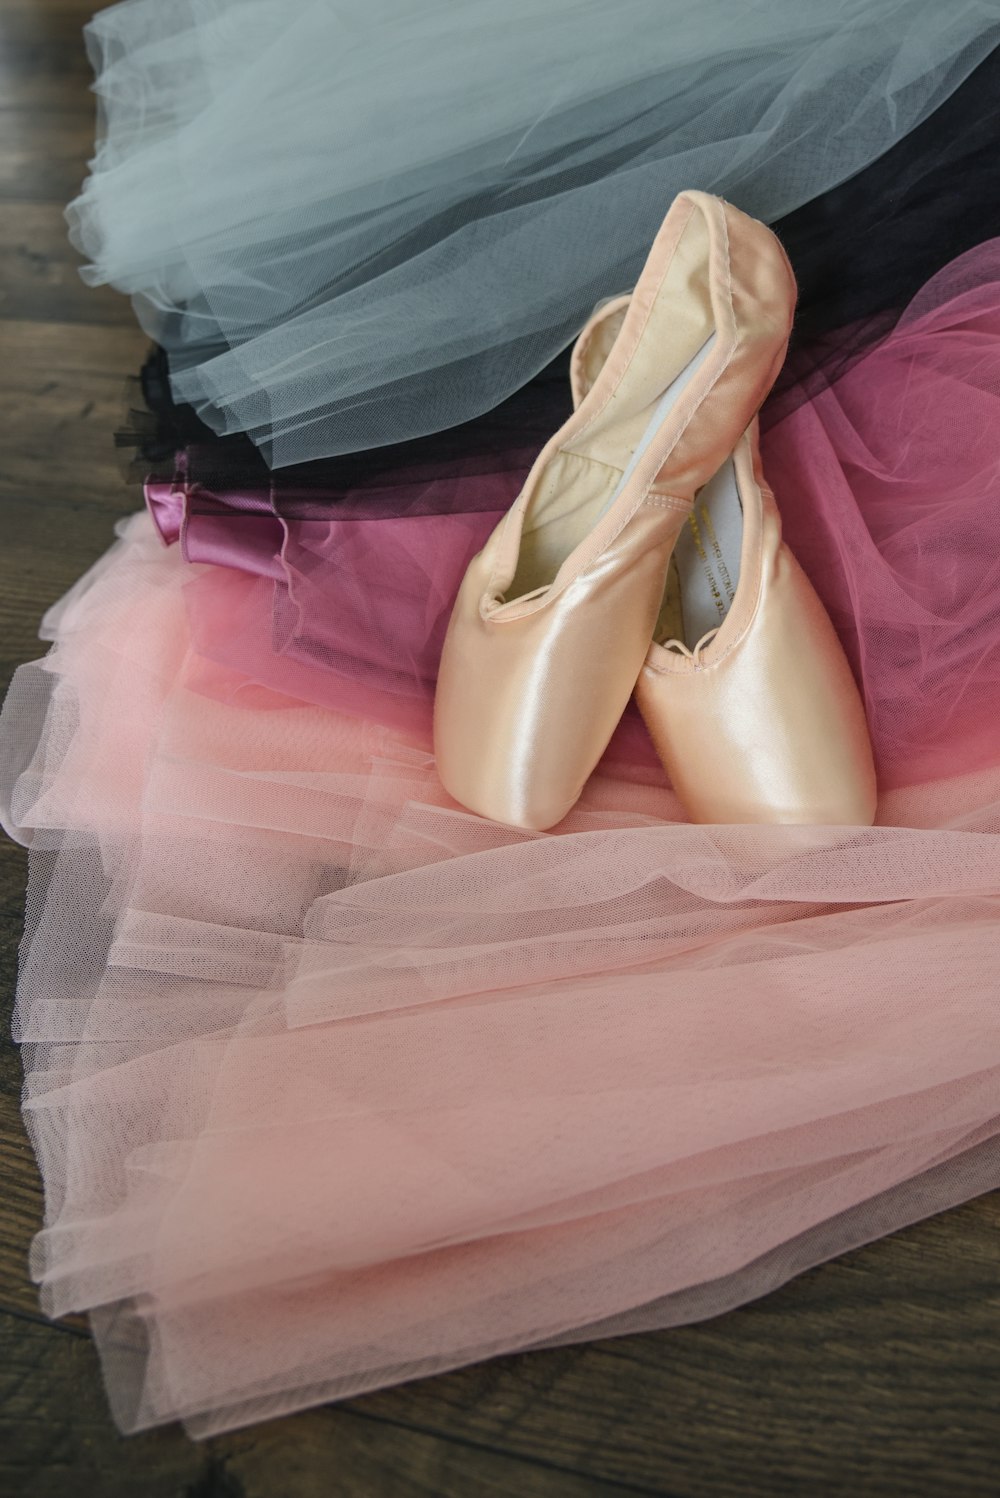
(713, 564)
(708, 556)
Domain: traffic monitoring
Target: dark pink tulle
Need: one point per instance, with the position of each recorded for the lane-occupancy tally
(333, 1083)
(887, 480)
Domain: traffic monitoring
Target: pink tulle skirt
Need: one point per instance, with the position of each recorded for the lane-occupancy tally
(334, 1084)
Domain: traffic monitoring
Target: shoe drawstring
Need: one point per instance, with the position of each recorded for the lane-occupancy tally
(695, 654)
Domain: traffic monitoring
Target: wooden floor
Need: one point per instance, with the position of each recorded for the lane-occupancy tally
(876, 1375)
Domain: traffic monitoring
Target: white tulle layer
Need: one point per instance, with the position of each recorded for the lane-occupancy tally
(333, 1084)
(356, 221)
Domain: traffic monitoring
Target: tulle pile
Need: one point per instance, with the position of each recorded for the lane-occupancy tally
(361, 222)
(333, 1083)
(861, 251)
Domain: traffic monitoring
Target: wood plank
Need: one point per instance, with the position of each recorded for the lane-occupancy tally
(43, 159)
(55, 1435)
(44, 38)
(871, 1374)
(65, 391)
(36, 350)
(56, 1438)
(43, 60)
(21, 1195)
(39, 273)
(44, 152)
(67, 12)
(816, 1413)
(20, 1212)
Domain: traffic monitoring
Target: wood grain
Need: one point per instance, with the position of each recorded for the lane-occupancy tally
(40, 275)
(875, 1375)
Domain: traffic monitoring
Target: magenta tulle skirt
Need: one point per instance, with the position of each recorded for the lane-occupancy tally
(886, 475)
(334, 1084)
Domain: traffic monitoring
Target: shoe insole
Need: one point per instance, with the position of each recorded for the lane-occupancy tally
(659, 414)
(577, 492)
(706, 564)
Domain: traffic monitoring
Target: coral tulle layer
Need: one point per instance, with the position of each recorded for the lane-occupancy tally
(333, 1084)
(885, 473)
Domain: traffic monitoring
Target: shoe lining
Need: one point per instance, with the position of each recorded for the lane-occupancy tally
(705, 571)
(661, 410)
(582, 479)
(595, 487)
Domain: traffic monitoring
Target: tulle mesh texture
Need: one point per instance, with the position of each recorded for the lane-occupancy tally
(333, 1083)
(885, 472)
(860, 251)
(356, 223)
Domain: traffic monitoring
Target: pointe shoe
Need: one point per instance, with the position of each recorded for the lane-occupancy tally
(746, 691)
(555, 615)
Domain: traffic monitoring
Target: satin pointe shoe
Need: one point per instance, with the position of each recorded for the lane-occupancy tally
(746, 691)
(555, 615)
